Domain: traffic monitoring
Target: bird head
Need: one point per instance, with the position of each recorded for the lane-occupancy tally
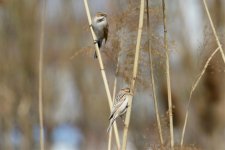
(100, 17)
(127, 90)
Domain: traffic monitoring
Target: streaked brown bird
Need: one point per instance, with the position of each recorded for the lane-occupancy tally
(120, 106)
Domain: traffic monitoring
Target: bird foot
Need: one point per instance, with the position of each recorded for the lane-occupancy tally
(95, 41)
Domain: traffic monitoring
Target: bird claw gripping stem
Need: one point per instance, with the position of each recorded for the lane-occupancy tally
(95, 41)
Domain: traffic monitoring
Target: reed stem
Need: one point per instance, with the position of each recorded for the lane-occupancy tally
(135, 69)
(102, 71)
(152, 77)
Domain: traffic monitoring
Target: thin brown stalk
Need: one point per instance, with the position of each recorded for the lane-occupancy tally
(214, 31)
(203, 71)
(192, 90)
(102, 71)
(40, 78)
(152, 77)
(110, 140)
(114, 94)
(115, 80)
(135, 69)
(168, 76)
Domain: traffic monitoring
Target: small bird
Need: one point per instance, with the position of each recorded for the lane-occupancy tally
(100, 27)
(120, 106)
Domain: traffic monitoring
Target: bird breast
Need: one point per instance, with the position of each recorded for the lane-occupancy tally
(99, 29)
(123, 107)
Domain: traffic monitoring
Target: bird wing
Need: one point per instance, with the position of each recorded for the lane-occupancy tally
(119, 96)
(105, 29)
(116, 106)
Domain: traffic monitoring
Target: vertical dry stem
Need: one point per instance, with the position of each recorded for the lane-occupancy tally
(192, 90)
(203, 71)
(214, 31)
(102, 71)
(135, 69)
(114, 94)
(110, 140)
(40, 79)
(152, 77)
(168, 76)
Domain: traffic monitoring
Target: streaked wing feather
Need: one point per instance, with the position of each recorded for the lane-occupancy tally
(116, 106)
(119, 96)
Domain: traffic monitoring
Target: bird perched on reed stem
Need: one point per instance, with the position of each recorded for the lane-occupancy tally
(100, 27)
(120, 105)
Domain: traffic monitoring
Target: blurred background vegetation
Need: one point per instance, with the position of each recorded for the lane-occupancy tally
(75, 104)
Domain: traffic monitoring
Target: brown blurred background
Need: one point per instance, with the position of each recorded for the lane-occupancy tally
(75, 103)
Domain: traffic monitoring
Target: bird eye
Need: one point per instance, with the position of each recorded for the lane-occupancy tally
(100, 20)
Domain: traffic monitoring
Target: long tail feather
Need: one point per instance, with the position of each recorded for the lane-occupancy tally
(110, 125)
(99, 46)
(95, 55)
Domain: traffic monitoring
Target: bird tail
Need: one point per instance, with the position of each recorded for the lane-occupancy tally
(110, 125)
(99, 46)
(95, 55)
